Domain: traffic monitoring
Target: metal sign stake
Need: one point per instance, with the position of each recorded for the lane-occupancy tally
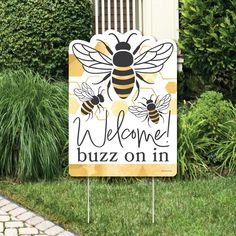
(153, 200)
(88, 200)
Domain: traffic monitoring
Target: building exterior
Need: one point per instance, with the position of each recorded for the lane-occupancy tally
(159, 18)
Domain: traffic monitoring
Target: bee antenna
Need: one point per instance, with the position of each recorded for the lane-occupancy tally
(151, 97)
(99, 89)
(144, 98)
(130, 37)
(102, 91)
(115, 37)
(135, 51)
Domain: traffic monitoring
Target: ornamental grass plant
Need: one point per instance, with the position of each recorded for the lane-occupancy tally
(33, 126)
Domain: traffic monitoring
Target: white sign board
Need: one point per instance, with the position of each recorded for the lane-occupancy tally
(122, 106)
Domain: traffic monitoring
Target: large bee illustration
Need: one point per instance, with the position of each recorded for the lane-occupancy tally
(122, 68)
(151, 110)
(87, 96)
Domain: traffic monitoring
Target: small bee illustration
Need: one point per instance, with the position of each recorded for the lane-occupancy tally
(87, 96)
(152, 110)
(122, 67)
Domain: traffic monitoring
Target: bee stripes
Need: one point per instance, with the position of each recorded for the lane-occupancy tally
(123, 79)
(154, 116)
(87, 107)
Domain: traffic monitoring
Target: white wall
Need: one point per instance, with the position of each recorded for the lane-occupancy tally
(160, 19)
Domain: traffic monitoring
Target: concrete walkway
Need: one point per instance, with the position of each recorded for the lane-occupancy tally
(16, 220)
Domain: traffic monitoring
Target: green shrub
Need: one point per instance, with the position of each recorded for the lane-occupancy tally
(207, 136)
(33, 126)
(225, 147)
(207, 40)
(191, 144)
(212, 108)
(35, 34)
(190, 86)
(215, 111)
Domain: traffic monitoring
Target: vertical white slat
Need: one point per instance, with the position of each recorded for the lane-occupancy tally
(109, 13)
(140, 15)
(121, 17)
(134, 13)
(103, 16)
(147, 13)
(115, 14)
(96, 16)
(177, 20)
(127, 15)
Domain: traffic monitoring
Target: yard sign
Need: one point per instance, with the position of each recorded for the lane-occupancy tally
(122, 106)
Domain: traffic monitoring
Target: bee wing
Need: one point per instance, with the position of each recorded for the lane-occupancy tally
(82, 95)
(153, 60)
(164, 103)
(88, 90)
(138, 111)
(93, 61)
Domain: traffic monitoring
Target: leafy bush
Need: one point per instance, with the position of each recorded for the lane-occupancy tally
(212, 108)
(225, 148)
(36, 34)
(33, 126)
(190, 86)
(208, 42)
(191, 144)
(207, 136)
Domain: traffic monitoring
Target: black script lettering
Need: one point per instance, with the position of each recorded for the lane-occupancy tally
(119, 134)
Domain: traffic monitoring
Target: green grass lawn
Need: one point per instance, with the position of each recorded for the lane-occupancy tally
(201, 207)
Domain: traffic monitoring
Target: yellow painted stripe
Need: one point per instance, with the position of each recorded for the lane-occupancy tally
(123, 95)
(85, 109)
(123, 68)
(154, 116)
(120, 86)
(89, 105)
(123, 77)
(122, 169)
(155, 120)
(152, 112)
